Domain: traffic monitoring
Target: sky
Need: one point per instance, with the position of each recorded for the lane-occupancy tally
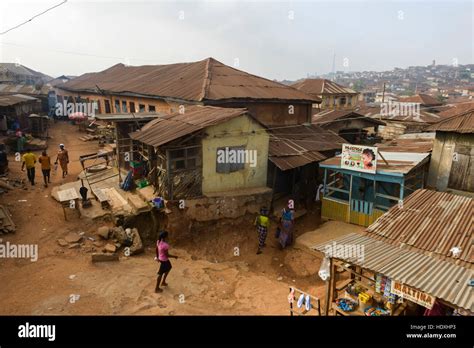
(274, 39)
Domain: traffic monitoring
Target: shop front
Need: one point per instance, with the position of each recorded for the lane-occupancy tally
(362, 196)
(368, 277)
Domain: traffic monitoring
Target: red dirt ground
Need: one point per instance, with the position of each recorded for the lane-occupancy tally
(206, 279)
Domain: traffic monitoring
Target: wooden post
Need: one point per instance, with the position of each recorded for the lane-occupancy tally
(328, 289)
(117, 150)
(350, 199)
(168, 174)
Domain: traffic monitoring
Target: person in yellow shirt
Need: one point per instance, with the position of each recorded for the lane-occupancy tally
(45, 161)
(29, 160)
(263, 223)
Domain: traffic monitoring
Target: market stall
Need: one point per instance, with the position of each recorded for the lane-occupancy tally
(368, 277)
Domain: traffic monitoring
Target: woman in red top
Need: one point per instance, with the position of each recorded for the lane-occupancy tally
(163, 256)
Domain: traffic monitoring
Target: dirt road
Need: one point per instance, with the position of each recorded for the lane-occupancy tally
(208, 277)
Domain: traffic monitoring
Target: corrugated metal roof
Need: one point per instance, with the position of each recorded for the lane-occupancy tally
(170, 127)
(329, 116)
(8, 100)
(423, 99)
(294, 146)
(6, 88)
(423, 117)
(321, 86)
(463, 123)
(129, 117)
(414, 144)
(207, 79)
(441, 279)
(398, 162)
(451, 110)
(430, 221)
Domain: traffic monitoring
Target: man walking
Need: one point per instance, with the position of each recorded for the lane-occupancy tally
(45, 161)
(63, 159)
(29, 160)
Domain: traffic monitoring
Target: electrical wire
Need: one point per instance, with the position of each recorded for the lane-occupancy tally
(35, 16)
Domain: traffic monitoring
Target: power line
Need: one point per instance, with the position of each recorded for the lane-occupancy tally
(35, 16)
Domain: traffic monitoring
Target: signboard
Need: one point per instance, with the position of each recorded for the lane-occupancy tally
(359, 158)
(413, 295)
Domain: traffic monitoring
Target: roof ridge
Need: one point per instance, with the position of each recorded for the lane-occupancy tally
(207, 79)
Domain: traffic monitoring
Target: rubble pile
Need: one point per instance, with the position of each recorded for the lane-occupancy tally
(106, 244)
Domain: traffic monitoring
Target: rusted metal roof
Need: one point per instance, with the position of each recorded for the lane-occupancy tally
(139, 116)
(423, 99)
(6, 88)
(424, 116)
(463, 123)
(430, 221)
(319, 87)
(451, 110)
(416, 142)
(207, 79)
(294, 146)
(195, 117)
(399, 163)
(9, 100)
(439, 278)
(327, 117)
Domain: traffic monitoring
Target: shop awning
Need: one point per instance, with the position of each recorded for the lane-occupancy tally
(441, 279)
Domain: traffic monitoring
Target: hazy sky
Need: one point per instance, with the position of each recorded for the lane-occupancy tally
(274, 39)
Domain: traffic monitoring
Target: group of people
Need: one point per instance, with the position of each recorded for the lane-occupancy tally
(29, 160)
(284, 231)
(284, 234)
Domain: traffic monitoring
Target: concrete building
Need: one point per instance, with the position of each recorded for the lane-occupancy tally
(333, 95)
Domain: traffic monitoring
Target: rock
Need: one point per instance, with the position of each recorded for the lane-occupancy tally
(280, 278)
(137, 245)
(110, 248)
(118, 245)
(281, 265)
(62, 242)
(73, 238)
(104, 257)
(72, 276)
(103, 232)
(74, 246)
(98, 244)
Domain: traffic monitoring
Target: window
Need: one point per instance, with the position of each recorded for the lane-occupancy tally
(141, 108)
(230, 159)
(187, 158)
(342, 101)
(107, 106)
(117, 106)
(349, 101)
(96, 106)
(124, 106)
(151, 108)
(132, 107)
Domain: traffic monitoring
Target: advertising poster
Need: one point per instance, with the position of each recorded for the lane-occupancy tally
(360, 158)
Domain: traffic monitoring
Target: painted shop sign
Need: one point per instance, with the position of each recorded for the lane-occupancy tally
(359, 158)
(413, 295)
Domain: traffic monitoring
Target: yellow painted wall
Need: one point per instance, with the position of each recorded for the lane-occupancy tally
(236, 132)
(337, 210)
